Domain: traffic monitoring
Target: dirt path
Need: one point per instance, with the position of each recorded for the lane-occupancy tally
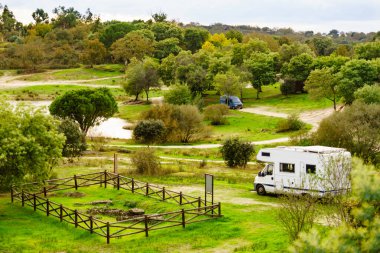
(7, 82)
(311, 117)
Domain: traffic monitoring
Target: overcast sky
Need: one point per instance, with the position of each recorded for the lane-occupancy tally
(301, 15)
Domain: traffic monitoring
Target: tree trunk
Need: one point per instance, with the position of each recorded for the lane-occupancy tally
(147, 95)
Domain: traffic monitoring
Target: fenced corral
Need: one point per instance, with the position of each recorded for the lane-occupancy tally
(35, 195)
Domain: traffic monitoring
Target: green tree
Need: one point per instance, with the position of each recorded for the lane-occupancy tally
(136, 44)
(93, 52)
(115, 31)
(367, 51)
(194, 38)
(163, 30)
(235, 34)
(332, 61)
(87, 107)
(189, 121)
(167, 70)
(227, 84)
(323, 45)
(164, 48)
(262, 69)
(298, 69)
(39, 15)
(287, 52)
(236, 152)
(30, 145)
(178, 95)
(75, 142)
(323, 83)
(354, 75)
(66, 18)
(216, 114)
(159, 17)
(149, 131)
(369, 94)
(30, 55)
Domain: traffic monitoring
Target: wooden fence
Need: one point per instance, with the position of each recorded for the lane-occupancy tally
(34, 195)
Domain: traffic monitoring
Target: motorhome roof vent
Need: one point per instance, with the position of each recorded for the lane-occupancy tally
(265, 154)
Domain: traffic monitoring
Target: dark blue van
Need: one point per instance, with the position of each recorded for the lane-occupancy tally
(233, 102)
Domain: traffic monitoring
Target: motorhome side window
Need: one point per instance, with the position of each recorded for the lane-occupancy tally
(287, 167)
(310, 168)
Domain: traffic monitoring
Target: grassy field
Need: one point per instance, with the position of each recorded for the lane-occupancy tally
(271, 97)
(100, 71)
(249, 222)
(50, 92)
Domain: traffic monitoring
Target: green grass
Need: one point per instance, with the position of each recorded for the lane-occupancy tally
(243, 228)
(271, 96)
(76, 74)
(50, 92)
(132, 112)
(248, 126)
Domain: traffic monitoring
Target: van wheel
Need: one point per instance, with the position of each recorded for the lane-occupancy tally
(260, 190)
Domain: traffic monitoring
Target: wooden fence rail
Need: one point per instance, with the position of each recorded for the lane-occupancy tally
(201, 210)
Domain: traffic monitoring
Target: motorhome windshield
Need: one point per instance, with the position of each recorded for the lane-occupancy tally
(236, 100)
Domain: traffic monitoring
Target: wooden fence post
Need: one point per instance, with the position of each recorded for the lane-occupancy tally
(199, 203)
(47, 207)
(75, 182)
(91, 225)
(118, 181)
(219, 209)
(45, 192)
(22, 198)
(147, 189)
(115, 163)
(163, 193)
(180, 198)
(60, 212)
(76, 218)
(105, 179)
(34, 202)
(133, 185)
(146, 225)
(183, 218)
(12, 194)
(108, 233)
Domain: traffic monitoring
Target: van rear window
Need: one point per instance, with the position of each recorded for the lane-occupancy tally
(287, 167)
(310, 168)
(265, 154)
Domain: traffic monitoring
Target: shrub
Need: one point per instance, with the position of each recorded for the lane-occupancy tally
(149, 131)
(75, 142)
(357, 129)
(291, 123)
(178, 95)
(216, 114)
(182, 122)
(146, 162)
(236, 152)
(369, 94)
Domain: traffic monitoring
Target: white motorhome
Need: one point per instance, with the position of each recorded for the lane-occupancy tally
(314, 170)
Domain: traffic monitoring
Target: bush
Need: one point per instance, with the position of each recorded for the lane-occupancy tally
(292, 123)
(178, 95)
(146, 162)
(75, 142)
(149, 131)
(236, 152)
(369, 94)
(356, 128)
(182, 122)
(216, 114)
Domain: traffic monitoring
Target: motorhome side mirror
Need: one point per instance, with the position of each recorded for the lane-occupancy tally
(260, 174)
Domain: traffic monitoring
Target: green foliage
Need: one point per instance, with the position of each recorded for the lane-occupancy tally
(299, 67)
(66, 17)
(146, 162)
(354, 75)
(163, 30)
(288, 87)
(369, 94)
(323, 83)
(115, 31)
(332, 61)
(30, 145)
(287, 52)
(367, 51)
(323, 45)
(166, 47)
(291, 123)
(216, 114)
(227, 84)
(194, 38)
(94, 52)
(234, 34)
(357, 129)
(149, 131)
(182, 122)
(178, 95)
(363, 234)
(75, 142)
(167, 70)
(236, 152)
(87, 107)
